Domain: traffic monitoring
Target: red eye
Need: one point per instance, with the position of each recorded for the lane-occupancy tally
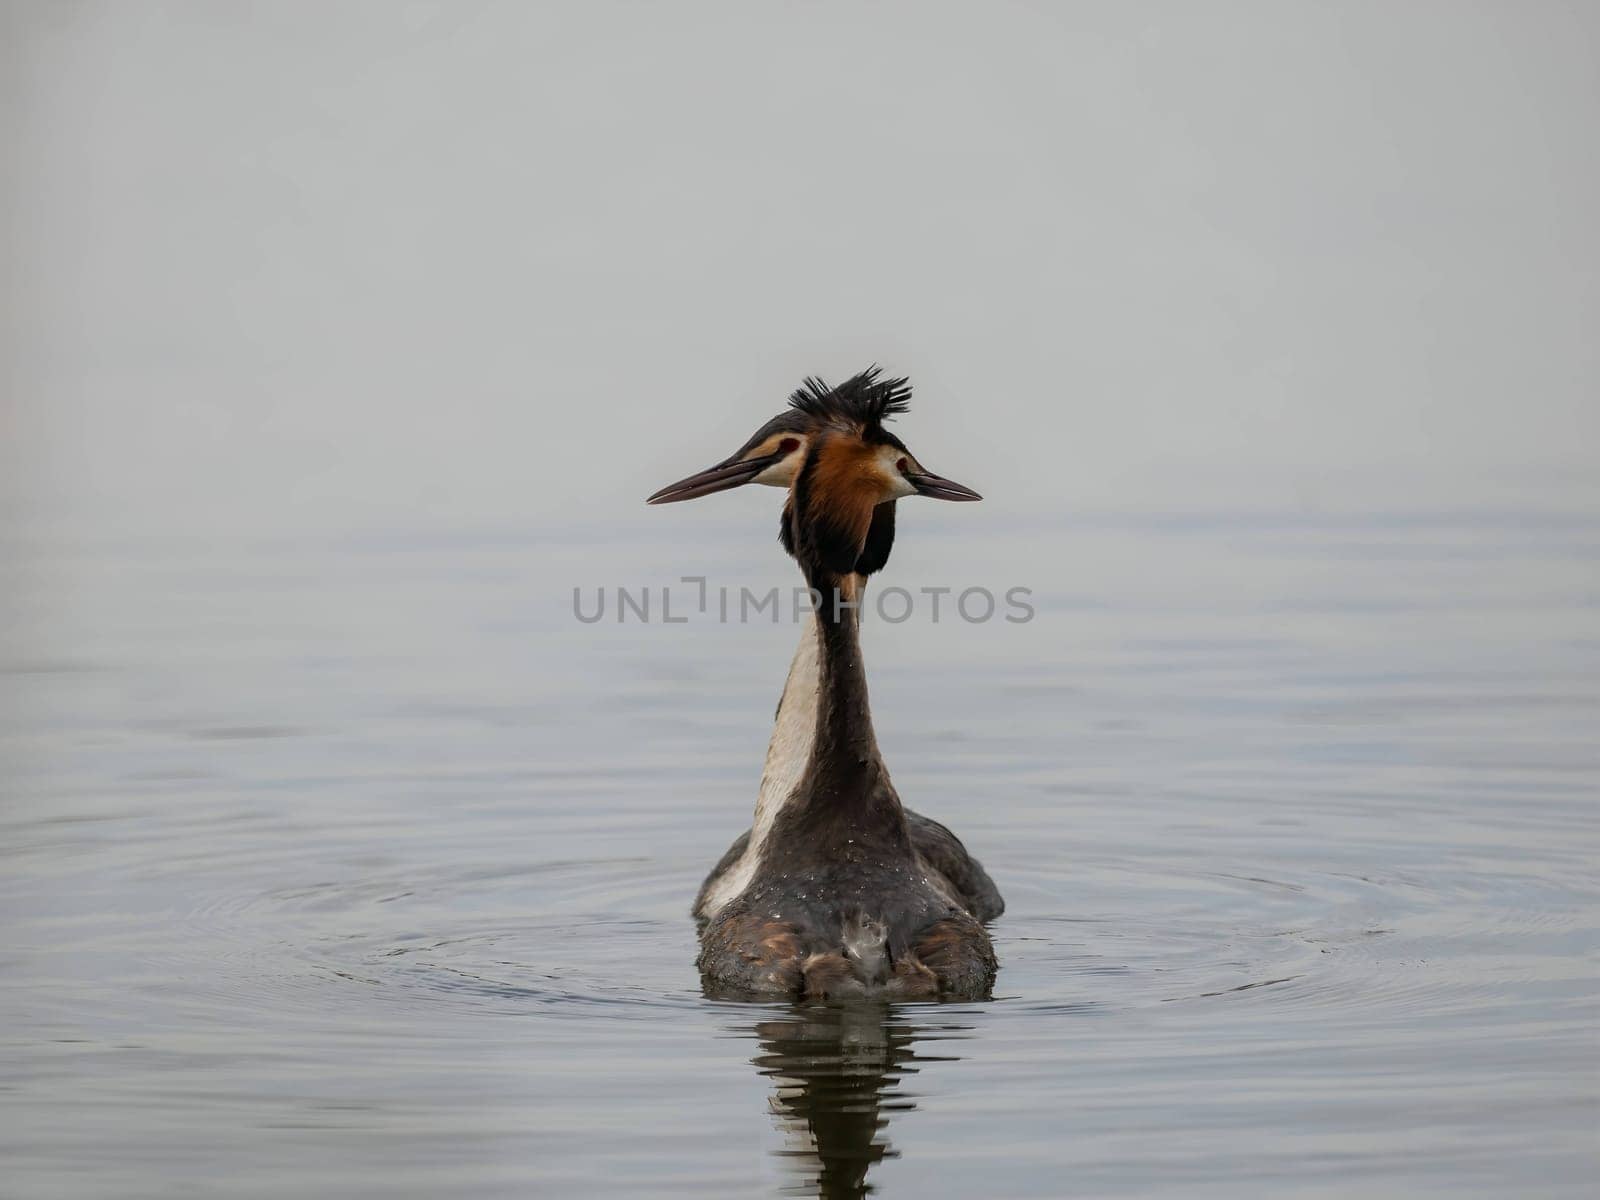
(788, 445)
(901, 466)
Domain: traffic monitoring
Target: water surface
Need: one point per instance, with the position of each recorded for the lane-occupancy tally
(358, 867)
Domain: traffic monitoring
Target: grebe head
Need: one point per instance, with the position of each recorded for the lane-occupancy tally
(853, 411)
(771, 456)
(852, 465)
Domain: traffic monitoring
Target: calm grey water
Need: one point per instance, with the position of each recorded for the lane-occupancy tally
(357, 867)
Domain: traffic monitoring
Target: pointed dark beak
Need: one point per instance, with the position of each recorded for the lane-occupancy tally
(719, 478)
(939, 488)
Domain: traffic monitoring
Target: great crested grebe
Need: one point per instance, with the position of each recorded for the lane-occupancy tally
(838, 890)
(773, 456)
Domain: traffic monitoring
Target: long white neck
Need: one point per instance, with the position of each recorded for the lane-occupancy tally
(787, 755)
(792, 735)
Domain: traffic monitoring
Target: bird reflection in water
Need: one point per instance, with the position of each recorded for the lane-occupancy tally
(836, 1073)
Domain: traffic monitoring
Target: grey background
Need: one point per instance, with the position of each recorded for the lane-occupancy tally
(373, 265)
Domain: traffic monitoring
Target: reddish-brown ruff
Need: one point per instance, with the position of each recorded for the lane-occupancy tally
(846, 486)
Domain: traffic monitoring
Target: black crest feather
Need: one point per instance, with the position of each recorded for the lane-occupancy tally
(865, 399)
